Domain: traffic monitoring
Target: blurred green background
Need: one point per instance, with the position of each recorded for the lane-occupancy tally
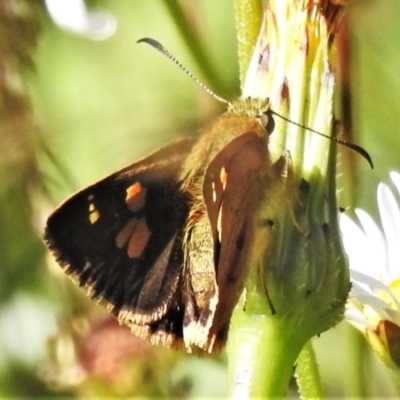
(83, 109)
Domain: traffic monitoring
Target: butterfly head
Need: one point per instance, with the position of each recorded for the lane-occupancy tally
(255, 108)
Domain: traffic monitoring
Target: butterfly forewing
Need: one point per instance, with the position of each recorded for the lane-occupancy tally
(122, 239)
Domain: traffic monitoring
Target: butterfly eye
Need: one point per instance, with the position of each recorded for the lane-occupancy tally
(268, 122)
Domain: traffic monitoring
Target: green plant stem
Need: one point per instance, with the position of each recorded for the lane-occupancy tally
(248, 15)
(262, 350)
(195, 46)
(307, 374)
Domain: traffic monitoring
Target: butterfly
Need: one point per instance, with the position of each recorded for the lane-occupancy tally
(165, 243)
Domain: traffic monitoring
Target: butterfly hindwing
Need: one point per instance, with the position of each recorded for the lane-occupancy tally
(122, 239)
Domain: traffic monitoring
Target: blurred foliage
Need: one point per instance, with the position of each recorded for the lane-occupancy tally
(18, 147)
(376, 87)
(73, 110)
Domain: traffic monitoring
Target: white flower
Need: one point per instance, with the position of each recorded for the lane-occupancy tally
(73, 15)
(374, 256)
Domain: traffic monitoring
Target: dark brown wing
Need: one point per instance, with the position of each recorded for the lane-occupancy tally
(122, 239)
(232, 189)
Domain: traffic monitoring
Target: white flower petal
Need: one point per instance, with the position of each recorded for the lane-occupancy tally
(356, 318)
(358, 288)
(73, 15)
(373, 284)
(375, 302)
(390, 216)
(357, 247)
(375, 236)
(396, 179)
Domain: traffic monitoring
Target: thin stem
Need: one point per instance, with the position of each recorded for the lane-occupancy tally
(307, 374)
(355, 383)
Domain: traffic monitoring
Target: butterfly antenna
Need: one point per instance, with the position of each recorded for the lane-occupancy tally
(354, 147)
(158, 46)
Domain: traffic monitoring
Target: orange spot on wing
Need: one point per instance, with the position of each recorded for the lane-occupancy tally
(125, 233)
(139, 239)
(135, 197)
(94, 214)
(135, 235)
